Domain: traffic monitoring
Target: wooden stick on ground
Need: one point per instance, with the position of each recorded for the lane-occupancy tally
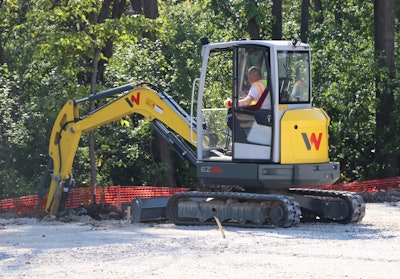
(220, 226)
(128, 214)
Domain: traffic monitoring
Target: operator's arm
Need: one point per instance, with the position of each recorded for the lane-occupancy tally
(242, 103)
(246, 101)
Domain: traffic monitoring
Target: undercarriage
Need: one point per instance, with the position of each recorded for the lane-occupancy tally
(265, 210)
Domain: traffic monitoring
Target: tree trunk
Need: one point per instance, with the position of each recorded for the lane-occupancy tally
(277, 20)
(102, 16)
(137, 6)
(118, 7)
(305, 4)
(319, 18)
(254, 29)
(337, 11)
(165, 157)
(386, 130)
(397, 10)
(2, 56)
(92, 140)
(252, 25)
(149, 8)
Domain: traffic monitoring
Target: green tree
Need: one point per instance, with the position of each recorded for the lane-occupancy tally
(57, 41)
(387, 149)
(342, 83)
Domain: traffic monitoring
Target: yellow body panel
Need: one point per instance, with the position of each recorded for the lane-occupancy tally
(304, 136)
(68, 128)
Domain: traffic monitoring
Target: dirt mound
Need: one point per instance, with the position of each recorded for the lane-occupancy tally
(390, 195)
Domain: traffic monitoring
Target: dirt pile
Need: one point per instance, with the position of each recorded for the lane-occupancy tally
(390, 195)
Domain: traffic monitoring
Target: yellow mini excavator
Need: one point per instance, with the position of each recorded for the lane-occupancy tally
(251, 161)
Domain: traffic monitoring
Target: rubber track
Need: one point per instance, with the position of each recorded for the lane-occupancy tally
(353, 200)
(292, 206)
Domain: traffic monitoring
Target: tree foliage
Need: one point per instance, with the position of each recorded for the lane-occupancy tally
(46, 56)
(344, 84)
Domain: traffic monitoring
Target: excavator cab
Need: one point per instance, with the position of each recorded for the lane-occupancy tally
(278, 138)
(253, 132)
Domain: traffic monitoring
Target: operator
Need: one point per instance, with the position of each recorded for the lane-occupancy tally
(258, 84)
(298, 91)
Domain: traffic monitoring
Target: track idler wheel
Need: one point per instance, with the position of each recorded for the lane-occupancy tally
(278, 214)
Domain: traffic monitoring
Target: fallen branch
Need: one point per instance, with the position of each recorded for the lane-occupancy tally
(220, 226)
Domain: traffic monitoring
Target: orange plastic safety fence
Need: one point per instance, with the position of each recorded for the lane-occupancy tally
(365, 186)
(116, 195)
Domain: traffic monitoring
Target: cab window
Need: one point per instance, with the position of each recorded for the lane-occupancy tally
(294, 77)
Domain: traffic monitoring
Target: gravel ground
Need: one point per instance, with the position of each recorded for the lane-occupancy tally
(87, 248)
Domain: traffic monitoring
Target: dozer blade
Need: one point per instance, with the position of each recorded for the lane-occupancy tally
(148, 209)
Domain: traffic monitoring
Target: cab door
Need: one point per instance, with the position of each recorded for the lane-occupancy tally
(252, 130)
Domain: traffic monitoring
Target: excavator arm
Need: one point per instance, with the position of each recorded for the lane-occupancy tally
(143, 99)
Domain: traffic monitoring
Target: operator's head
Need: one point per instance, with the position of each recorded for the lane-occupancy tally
(254, 74)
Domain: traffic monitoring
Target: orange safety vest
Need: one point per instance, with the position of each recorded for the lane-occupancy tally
(259, 84)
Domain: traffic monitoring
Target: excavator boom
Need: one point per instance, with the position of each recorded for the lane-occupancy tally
(142, 99)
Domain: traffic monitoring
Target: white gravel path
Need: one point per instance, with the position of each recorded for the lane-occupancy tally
(115, 249)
